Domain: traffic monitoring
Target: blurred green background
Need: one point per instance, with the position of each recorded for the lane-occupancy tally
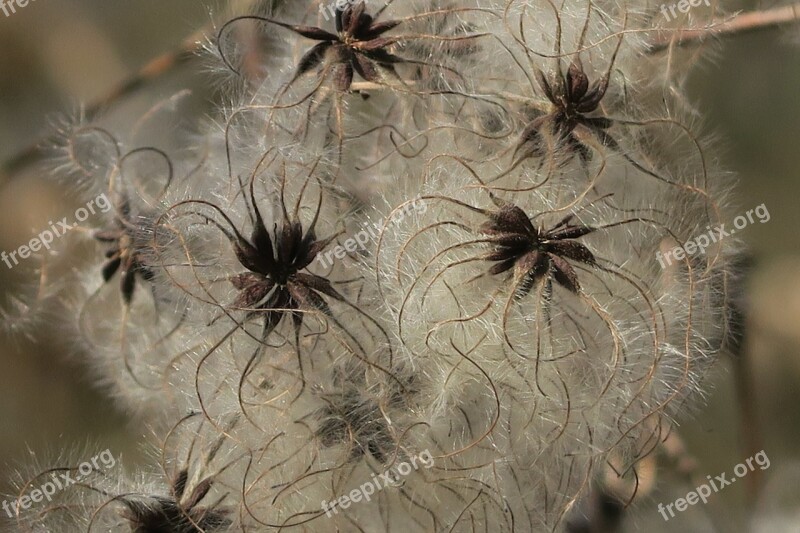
(55, 54)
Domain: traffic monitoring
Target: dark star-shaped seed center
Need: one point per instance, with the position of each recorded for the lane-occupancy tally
(573, 97)
(124, 253)
(535, 255)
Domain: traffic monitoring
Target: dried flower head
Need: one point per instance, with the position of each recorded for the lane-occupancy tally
(401, 281)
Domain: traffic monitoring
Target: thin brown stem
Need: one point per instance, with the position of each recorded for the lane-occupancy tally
(742, 23)
(153, 70)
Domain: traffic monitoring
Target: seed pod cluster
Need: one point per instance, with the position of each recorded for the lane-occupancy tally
(407, 277)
